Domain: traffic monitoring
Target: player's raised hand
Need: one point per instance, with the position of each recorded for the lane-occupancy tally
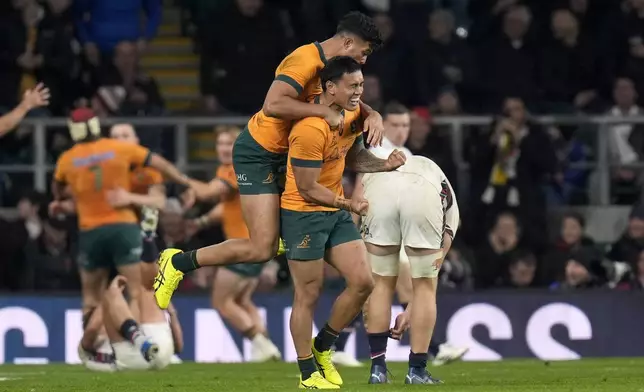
(36, 97)
(396, 159)
(333, 118)
(359, 206)
(374, 128)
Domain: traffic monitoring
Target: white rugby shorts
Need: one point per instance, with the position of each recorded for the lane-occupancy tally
(405, 208)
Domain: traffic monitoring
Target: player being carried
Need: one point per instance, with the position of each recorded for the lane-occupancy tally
(109, 236)
(259, 154)
(413, 208)
(234, 285)
(316, 222)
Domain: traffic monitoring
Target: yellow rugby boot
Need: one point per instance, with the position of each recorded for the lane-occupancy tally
(316, 381)
(324, 361)
(167, 279)
(281, 249)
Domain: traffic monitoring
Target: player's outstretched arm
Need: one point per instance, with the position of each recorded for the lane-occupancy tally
(210, 218)
(168, 169)
(32, 99)
(361, 160)
(155, 198)
(215, 190)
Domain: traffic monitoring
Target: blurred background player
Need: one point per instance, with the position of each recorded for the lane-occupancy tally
(260, 151)
(33, 98)
(109, 236)
(147, 195)
(316, 223)
(413, 207)
(397, 123)
(234, 285)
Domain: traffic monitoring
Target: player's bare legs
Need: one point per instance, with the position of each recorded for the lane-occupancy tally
(231, 297)
(132, 273)
(350, 260)
(423, 314)
(120, 323)
(261, 214)
(307, 283)
(245, 301)
(93, 284)
(377, 310)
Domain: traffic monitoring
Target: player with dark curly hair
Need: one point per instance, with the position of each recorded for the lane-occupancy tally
(260, 151)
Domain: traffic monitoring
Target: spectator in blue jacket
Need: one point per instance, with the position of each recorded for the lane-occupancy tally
(101, 24)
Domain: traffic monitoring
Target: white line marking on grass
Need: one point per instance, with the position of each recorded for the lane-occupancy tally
(9, 378)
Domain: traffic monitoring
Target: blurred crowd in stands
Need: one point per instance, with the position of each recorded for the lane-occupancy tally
(511, 59)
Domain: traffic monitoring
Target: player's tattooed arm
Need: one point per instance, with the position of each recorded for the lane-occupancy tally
(361, 160)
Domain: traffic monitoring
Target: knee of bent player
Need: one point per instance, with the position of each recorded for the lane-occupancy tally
(362, 285)
(264, 249)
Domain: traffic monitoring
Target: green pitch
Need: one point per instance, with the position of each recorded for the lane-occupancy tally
(587, 375)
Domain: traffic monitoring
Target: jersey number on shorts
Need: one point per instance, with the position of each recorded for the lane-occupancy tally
(98, 177)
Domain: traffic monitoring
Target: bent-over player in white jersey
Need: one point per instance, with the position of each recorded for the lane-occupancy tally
(412, 217)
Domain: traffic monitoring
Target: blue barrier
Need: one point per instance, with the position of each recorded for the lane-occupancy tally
(494, 325)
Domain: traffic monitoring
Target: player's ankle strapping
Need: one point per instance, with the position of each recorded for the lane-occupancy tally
(130, 330)
(325, 338)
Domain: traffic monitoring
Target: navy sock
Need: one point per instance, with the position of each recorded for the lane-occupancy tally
(417, 360)
(185, 261)
(130, 330)
(378, 347)
(341, 341)
(433, 348)
(325, 339)
(307, 366)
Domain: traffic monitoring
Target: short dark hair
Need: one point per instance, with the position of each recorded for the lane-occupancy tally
(574, 216)
(394, 108)
(336, 68)
(362, 26)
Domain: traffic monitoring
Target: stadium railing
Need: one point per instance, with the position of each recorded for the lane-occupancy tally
(599, 125)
